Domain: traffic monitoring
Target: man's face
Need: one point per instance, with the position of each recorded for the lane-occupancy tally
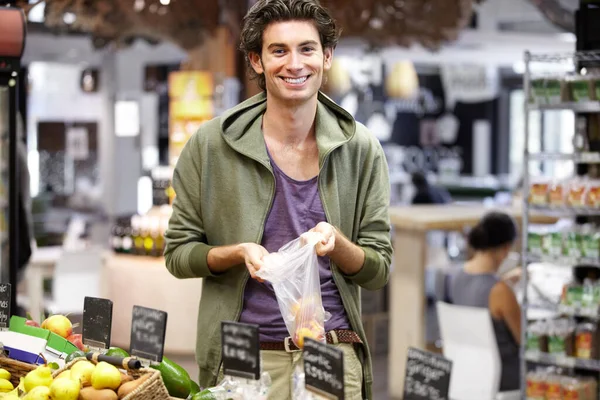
(292, 60)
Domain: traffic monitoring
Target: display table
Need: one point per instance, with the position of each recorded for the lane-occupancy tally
(145, 281)
(407, 280)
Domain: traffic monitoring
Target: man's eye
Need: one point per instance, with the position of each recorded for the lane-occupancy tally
(308, 49)
(278, 51)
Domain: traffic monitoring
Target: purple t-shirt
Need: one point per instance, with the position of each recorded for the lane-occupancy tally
(296, 208)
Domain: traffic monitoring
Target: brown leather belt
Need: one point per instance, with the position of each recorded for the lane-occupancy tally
(333, 337)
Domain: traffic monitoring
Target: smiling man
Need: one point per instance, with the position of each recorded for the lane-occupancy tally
(284, 162)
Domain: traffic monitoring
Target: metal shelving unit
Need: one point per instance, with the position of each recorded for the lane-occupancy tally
(581, 157)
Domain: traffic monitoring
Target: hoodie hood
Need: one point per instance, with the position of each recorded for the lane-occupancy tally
(241, 126)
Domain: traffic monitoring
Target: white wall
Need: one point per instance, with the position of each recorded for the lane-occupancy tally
(55, 95)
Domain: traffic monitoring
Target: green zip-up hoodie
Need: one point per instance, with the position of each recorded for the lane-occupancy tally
(224, 187)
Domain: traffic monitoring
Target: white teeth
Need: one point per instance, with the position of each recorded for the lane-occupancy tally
(295, 81)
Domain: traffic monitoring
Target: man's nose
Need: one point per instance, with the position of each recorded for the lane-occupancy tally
(294, 62)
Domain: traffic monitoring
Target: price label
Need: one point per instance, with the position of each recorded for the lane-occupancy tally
(97, 322)
(148, 330)
(323, 369)
(5, 292)
(240, 349)
(427, 376)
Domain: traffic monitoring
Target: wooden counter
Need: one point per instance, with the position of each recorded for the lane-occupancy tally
(145, 281)
(407, 280)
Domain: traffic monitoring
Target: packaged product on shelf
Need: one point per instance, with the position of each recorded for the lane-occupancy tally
(572, 295)
(592, 197)
(535, 241)
(576, 196)
(561, 338)
(580, 88)
(537, 337)
(590, 242)
(589, 299)
(554, 243)
(556, 90)
(586, 338)
(557, 192)
(572, 243)
(538, 192)
(537, 93)
(595, 82)
(536, 385)
(554, 387)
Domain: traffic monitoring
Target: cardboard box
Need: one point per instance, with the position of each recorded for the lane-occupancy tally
(57, 347)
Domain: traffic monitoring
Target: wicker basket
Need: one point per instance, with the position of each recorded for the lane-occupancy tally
(17, 369)
(152, 388)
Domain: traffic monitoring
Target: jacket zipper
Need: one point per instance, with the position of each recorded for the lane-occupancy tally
(334, 271)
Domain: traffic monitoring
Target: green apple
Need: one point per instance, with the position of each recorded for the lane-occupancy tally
(106, 376)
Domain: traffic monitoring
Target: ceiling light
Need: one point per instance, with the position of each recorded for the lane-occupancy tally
(139, 5)
(69, 18)
(165, 2)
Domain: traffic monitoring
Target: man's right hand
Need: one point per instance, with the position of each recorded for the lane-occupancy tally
(222, 258)
(253, 255)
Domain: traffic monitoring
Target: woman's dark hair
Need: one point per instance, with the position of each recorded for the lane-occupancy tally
(495, 230)
(266, 12)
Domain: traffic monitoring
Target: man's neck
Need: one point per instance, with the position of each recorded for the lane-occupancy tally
(286, 124)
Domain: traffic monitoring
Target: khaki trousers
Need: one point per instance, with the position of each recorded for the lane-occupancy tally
(281, 365)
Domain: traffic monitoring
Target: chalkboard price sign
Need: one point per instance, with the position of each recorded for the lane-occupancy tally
(241, 350)
(148, 330)
(5, 291)
(427, 376)
(97, 322)
(323, 369)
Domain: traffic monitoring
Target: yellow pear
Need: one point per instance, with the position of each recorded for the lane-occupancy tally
(5, 386)
(106, 376)
(82, 370)
(41, 376)
(38, 393)
(64, 374)
(4, 374)
(65, 389)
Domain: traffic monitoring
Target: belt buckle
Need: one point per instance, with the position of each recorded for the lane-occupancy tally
(286, 345)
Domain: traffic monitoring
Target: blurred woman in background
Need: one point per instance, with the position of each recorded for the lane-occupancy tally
(478, 285)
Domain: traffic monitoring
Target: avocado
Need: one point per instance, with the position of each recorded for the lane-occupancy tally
(176, 379)
(194, 388)
(74, 355)
(117, 352)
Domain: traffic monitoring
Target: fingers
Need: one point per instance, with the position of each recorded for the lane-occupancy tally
(252, 269)
(326, 246)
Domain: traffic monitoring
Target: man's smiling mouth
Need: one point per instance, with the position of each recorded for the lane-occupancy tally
(295, 81)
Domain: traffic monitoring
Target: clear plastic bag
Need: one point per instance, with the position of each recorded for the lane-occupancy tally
(234, 388)
(294, 273)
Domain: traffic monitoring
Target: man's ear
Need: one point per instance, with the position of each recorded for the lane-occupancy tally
(327, 58)
(256, 63)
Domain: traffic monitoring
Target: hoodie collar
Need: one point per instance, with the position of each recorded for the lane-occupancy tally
(241, 127)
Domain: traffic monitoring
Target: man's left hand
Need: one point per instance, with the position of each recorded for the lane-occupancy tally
(327, 244)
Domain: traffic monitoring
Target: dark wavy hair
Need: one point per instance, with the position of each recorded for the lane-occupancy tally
(266, 12)
(495, 230)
